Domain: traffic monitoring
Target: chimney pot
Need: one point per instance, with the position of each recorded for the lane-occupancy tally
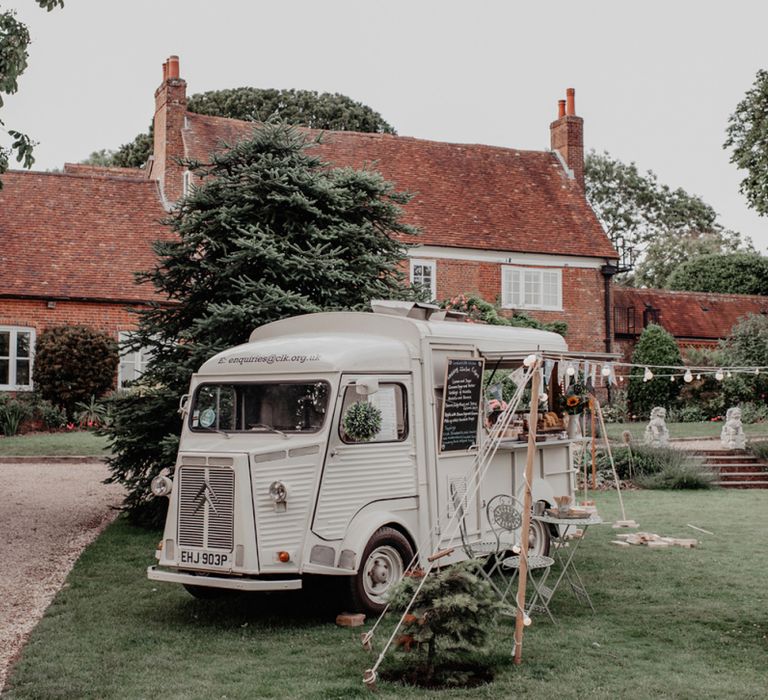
(173, 67)
(165, 71)
(560, 109)
(570, 95)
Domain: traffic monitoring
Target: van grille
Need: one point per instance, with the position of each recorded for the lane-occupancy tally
(206, 507)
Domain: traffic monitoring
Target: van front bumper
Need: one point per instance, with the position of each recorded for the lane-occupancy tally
(233, 583)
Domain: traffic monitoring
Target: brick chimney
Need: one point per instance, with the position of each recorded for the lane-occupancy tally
(170, 110)
(567, 136)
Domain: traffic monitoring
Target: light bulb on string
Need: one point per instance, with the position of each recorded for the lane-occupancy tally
(698, 375)
(647, 375)
(526, 620)
(570, 370)
(528, 361)
(543, 397)
(672, 378)
(719, 375)
(606, 371)
(687, 377)
(621, 378)
(728, 374)
(757, 371)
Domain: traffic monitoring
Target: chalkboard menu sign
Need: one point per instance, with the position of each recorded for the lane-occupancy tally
(461, 403)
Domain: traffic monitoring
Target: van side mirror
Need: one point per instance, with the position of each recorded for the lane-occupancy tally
(365, 386)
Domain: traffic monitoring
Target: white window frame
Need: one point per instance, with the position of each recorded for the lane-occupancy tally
(12, 358)
(186, 183)
(432, 265)
(141, 357)
(524, 288)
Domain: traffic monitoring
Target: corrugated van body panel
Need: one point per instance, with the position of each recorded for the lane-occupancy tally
(359, 474)
(278, 529)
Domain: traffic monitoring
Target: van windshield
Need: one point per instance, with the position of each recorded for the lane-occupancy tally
(286, 407)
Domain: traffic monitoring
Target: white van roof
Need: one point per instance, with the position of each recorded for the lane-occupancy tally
(358, 341)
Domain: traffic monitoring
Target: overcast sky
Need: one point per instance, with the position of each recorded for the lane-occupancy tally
(655, 81)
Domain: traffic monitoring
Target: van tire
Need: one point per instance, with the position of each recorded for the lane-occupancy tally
(383, 564)
(539, 539)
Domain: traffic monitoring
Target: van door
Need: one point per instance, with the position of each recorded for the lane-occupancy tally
(361, 469)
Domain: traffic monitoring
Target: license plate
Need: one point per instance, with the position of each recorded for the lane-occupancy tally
(197, 557)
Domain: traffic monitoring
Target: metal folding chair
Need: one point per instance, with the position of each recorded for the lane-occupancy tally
(542, 594)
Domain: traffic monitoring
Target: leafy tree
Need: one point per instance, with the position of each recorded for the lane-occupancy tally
(14, 42)
(669, 250)
(271, 232)
(663, 225)
(735, 273)
(747, 136)
(747, 346)
(73, 364)
(654, 347)
(334, 112)
(103, 157)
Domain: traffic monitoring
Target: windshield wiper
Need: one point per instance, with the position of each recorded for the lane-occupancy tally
(268, 428)
(219, 431)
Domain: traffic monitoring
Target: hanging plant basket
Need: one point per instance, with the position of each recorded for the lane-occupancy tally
(362, 421)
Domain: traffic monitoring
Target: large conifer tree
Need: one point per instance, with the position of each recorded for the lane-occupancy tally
(271, 232)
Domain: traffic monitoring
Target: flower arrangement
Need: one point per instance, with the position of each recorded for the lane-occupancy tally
(362, 421)
(575, 400)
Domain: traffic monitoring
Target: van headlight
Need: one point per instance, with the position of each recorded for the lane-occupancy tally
(278, 492)
(161, 486)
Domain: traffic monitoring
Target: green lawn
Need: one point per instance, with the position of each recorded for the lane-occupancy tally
(679, 430)
(672, 623)
(54, 444)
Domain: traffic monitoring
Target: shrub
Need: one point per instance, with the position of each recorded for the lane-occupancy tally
(686, 414)
(91, 414)
(679, 475)
(617, 411)
(758, 448)
(655, 347)
(732, 273)
(478, 309)
(73, 363)
(52, 417)
(450, 619)
(12, 413)
(640, 460)
(752, 412)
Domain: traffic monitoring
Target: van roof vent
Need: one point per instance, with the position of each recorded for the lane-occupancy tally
(416, 309)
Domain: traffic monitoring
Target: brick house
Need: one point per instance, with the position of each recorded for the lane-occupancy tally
(69, 244)
(695, 319)
(511, 225)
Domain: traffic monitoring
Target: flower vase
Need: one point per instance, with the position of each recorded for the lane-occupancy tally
(573, 428)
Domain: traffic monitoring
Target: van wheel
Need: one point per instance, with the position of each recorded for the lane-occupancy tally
(382, 565)
(538, 539)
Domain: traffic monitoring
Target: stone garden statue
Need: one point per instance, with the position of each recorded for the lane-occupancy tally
(656, 432)
(732, 435)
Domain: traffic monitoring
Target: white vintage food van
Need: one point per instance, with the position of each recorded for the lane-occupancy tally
(269, 486)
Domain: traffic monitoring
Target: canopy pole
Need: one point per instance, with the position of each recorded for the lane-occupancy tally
(533, 418)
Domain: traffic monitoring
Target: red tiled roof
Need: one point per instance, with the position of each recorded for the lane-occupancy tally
(691, 315)
(76, 236)
(103, 171)
(467, 196)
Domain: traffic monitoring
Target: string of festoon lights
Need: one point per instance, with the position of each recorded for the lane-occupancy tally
(617, 372)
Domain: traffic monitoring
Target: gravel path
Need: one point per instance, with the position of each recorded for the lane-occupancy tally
(48, 514)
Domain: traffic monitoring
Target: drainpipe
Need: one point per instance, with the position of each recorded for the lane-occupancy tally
(608, 270)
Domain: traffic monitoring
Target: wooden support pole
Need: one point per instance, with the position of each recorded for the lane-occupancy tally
(594, 443)
(533, 419)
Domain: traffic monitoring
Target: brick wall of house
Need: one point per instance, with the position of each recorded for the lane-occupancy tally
(583, 298)
(108, 318)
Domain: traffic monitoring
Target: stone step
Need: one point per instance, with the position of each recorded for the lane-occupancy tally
(743, 476)
(743, 484)
(730, 468)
